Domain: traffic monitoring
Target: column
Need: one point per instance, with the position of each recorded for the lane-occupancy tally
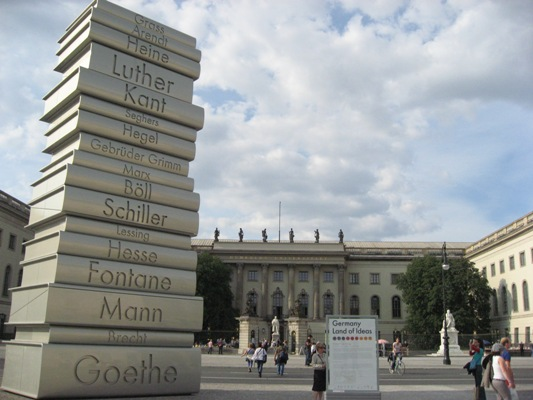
(342, 272)
(290, 297)
(264, 290)
(316, 291)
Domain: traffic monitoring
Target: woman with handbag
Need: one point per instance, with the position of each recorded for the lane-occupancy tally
(260, 357)
(249, 352)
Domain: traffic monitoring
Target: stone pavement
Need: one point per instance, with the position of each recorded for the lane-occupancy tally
(235, 390)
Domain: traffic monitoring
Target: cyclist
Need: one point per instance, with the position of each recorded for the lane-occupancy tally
(396, 352)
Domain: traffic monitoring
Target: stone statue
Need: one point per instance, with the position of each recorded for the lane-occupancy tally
(217, 233)
(341, 236)
(449, 321)
(275, 325)
(291, 236)
(264, 233)
(317, 236)
(241, 235)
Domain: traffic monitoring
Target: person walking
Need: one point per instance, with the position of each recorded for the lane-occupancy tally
(319, 362)
(502, 378)
(396, 352)
(477, 351)
(210, 346)
(260, 357)
(281, 356)
(249, 352)
(506, 355)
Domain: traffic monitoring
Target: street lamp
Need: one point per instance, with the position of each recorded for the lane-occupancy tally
(445, 343)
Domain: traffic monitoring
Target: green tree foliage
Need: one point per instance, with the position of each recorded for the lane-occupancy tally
(213, 284)
(466, 291)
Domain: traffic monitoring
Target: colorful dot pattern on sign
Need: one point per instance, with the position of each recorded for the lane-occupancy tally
(346, 338)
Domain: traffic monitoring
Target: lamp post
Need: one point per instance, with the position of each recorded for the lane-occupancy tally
(445, 343)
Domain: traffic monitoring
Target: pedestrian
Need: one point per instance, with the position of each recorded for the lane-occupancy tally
(396, 352)
(281, 356)
(249, 352)
(506, 355)
(477, 352)
(319, 362)
(220, 344)
(307, 352)
(260, 357)
(210, 346)
(501, 374)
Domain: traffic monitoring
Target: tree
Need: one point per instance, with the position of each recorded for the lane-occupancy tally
(213, 284)
(467, 295)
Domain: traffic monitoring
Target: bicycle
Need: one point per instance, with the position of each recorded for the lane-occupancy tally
(399, 366)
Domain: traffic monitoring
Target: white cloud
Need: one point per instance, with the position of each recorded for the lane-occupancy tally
(381, 118)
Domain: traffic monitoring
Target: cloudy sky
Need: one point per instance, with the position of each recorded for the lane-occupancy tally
(391, 120)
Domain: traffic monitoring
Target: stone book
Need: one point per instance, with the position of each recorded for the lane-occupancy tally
(87, 178)
(125, 114)
(87, 226)
(118, 167)
(101, 336)
(84, 306)
(141, 49)
(123, 93)
(119, 65)
(70, 200)
(123, 152)
(99, 272)
(118, 250)
(114, 129)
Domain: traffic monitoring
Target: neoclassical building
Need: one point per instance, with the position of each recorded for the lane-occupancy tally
(506, 258)
(302, 282)
(14, 216)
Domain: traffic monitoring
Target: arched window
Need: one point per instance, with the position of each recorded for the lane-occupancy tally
(354, 305)
(515, 298)
(495, 302)
(374, 306)
(505, 309)
(19, 282)
(328, 303)
(303, 298)
(7, 279)
(277, 303)
(396, 307)
(525, 295)
(251, 303)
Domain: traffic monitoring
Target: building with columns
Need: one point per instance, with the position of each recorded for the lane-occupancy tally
(302, 282)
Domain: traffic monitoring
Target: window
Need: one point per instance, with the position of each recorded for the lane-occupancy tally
(396, 307)
(505, 310)
(484, 272)
(495, 302)
(328, 276)
(278, 276)
(328, 303)
(374, 279)
(277, 303)
(354, 278)
(251, 303)
(394, 279)
(492, 270)
(525, 295)
(252, 276)
(511, 263)
(374, 305)
(303, 276)
(354, 305)
(516, 336)
(7, 279)
(515, 298)
(528, 334)
(502, 267)
(303, 299)
(12, 242)
(19, 281)
(522, 259)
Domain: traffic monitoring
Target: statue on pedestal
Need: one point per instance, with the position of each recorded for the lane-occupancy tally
(291, 236)
(317, 236)
(241, 235)
(264, 234)
(341, 236)
(217, 233)
(275, 325)
(449, 321)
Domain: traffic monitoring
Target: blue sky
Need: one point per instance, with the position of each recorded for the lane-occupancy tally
(391, 120)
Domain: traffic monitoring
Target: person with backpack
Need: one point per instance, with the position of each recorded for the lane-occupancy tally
(260, 357)
(281, 356)
(477, 351)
